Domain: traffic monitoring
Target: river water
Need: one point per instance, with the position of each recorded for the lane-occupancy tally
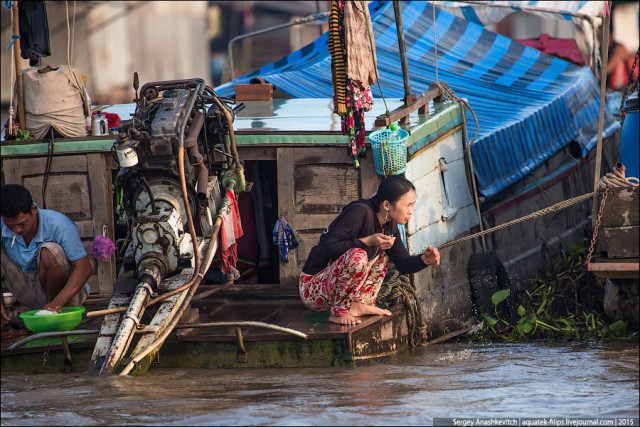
(461, 380)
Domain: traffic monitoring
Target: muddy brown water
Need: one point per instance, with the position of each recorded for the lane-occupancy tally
(461, 379)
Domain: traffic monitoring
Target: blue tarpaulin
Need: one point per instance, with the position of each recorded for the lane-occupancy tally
(529, 105)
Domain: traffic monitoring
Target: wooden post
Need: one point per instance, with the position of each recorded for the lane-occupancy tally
(403, 53)
(603, 89)
(18, 66)
(409, 98)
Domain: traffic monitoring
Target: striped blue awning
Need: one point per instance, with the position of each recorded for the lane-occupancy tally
(529, 105)
(491, 12)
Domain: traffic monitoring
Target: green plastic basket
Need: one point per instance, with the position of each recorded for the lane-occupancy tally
(389, 157)
(68, 318)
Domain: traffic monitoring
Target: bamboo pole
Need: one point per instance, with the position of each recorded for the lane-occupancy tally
(18, 66)
(603, 88)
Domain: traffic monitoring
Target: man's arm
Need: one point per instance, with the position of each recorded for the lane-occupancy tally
(81, 272)
(5, 314)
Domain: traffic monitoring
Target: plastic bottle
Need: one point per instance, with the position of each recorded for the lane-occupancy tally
(393, 136)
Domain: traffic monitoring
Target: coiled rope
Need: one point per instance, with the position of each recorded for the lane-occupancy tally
(396, 286)
(617, 179)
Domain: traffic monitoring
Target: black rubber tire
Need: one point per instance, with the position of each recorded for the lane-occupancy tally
(487, 275)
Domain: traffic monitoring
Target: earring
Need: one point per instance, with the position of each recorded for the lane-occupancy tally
(386, 215)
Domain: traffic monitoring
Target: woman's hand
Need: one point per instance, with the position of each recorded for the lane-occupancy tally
(431, 256)
(380, 241)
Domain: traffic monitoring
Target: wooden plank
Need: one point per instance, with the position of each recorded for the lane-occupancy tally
(313, 156)
(421, 101)
(324, 188)
(369, 179)
(289, 272)
(318, 221)
(11, 171)
(101, 205)
(59, 164)
(615, 270)
(308, 239)
(85, 229)
(69, 194)
(256, 153)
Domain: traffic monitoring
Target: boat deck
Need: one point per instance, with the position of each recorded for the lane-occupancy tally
(228, 346)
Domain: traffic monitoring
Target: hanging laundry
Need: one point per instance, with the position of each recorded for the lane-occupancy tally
(284, 238)
(352, 69)
(230, 231)
(34, 31)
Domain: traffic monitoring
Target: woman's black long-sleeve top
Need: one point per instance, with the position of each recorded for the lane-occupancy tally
(357, 220)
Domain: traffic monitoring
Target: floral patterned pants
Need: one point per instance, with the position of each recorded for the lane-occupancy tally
(351, 278)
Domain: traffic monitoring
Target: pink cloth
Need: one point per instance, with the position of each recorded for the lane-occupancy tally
(230, 231)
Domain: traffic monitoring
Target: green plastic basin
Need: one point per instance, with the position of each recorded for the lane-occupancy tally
(68, 318)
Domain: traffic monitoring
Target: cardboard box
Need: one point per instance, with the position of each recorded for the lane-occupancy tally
(254, 92)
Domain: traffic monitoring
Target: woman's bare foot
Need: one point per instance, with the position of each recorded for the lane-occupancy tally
(346, 319)
(360, 309)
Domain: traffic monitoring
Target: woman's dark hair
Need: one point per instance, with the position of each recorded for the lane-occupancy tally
(391, 189)
(14, 200)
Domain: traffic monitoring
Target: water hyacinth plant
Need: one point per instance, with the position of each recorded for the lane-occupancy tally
(564, 302)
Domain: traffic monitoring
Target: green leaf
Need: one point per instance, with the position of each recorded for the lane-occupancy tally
(521, 310)
(542, 306)
(490, 320)
(525, 327)
(619, 328)
(500, 296)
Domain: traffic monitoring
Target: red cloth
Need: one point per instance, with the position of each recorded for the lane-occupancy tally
(248, 245)
(230, 230)
(113, 120)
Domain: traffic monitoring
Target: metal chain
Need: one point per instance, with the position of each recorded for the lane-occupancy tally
(627, 89)
(597, 225)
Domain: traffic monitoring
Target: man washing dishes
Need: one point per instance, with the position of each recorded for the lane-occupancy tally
(43, 261)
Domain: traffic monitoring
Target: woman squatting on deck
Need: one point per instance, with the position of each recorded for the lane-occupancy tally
(345, 270)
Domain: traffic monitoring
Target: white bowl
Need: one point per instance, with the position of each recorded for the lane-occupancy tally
(8, 299)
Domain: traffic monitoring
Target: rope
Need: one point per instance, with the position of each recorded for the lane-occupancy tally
(558, 206)
(375, 63)
(397, 286)
(617, 179)
(14, 37)
(73, 77)
(73, 31)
